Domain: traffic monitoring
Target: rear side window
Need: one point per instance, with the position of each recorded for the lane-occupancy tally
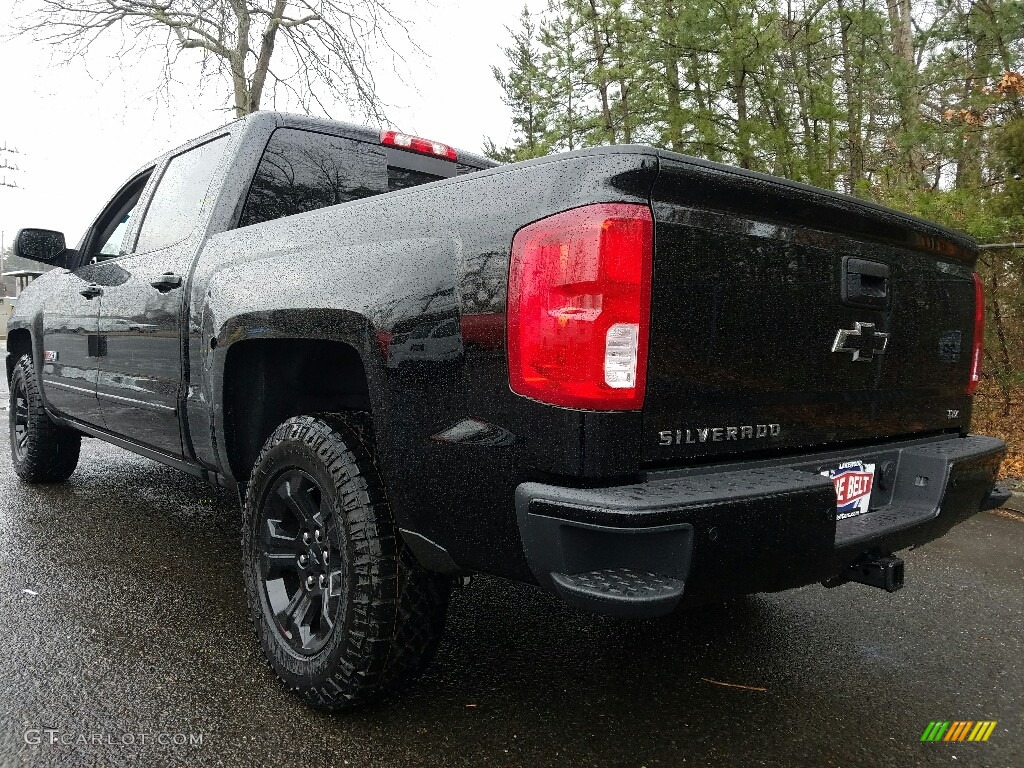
(179, 197)
(302, 171)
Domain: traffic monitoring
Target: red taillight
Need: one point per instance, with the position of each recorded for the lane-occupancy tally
(416, 144)
(979, 335)
(579, 307)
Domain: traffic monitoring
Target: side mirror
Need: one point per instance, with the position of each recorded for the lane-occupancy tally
(43, 245)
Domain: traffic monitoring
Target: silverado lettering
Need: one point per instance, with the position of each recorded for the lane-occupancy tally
(717, 434)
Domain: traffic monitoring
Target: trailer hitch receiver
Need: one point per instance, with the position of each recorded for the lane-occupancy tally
(884, 572)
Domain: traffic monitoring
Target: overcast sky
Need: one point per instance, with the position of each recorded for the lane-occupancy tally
(84, 128)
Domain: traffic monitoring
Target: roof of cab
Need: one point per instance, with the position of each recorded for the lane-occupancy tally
(350, 130)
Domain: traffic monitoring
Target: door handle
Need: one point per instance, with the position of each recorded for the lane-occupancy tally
(91, 291)
(865, 283)
(168, 281)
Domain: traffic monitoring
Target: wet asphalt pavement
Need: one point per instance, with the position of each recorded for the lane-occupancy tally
(124, 630)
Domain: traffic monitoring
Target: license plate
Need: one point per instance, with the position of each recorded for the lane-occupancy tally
(853, 481)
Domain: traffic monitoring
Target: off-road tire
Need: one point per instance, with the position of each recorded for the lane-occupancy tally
(391, 612)
(48, 452)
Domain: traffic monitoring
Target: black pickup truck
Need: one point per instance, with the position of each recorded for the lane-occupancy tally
(639, 380)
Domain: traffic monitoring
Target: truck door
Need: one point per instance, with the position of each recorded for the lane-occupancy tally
(72, 345)
(141, 318)
(70, 366)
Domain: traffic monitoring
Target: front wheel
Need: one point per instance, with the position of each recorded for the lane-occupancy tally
(342, 610)
(42, 451)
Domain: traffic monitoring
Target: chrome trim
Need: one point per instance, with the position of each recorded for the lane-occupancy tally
(69, 387)
(158, 407)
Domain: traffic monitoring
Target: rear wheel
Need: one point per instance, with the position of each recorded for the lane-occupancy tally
(42, 451)
(342, 610)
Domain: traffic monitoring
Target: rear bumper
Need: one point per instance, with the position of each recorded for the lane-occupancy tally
(709, 533)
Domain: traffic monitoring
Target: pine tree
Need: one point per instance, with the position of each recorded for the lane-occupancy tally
(524, 87)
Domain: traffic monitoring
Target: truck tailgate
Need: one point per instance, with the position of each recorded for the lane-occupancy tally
(754, 282)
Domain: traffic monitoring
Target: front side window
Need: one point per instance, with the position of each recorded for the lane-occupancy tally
(106, 238)
(112, 247)
(179, 197)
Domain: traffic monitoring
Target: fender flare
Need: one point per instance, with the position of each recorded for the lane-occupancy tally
(313, 324)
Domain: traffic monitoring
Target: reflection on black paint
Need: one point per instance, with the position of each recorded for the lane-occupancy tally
(424, 341)
(476, 432)
(106, 273)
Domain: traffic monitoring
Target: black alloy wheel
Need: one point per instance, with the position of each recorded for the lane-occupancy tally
(19, 420)
(301, 592)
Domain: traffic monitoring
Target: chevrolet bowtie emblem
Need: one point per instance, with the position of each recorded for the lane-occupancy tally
(863, 342)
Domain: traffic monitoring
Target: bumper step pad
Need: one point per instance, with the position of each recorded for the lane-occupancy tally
(929, 477)
(635, 591)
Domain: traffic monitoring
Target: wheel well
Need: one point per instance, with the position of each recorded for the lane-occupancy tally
(269, 381)
(19, 343)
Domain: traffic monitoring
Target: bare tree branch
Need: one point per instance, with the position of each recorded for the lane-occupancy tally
(332, 43)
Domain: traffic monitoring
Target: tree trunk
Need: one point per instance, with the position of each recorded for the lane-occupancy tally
(673, 93)
(259, 76)
(707, 148)
(901, 31)
(243, 101)
(855, 163)
(801, 98)
(243, 93)
(743, 151)
(627, 129)
(1005, 362)
(600, 49)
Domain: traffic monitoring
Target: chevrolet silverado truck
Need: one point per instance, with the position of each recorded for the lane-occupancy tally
(638, 380)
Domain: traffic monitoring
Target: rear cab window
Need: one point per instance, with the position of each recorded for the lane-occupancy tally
(303, 170)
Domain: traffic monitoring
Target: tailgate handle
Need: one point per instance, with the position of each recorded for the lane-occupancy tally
(865, 283)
